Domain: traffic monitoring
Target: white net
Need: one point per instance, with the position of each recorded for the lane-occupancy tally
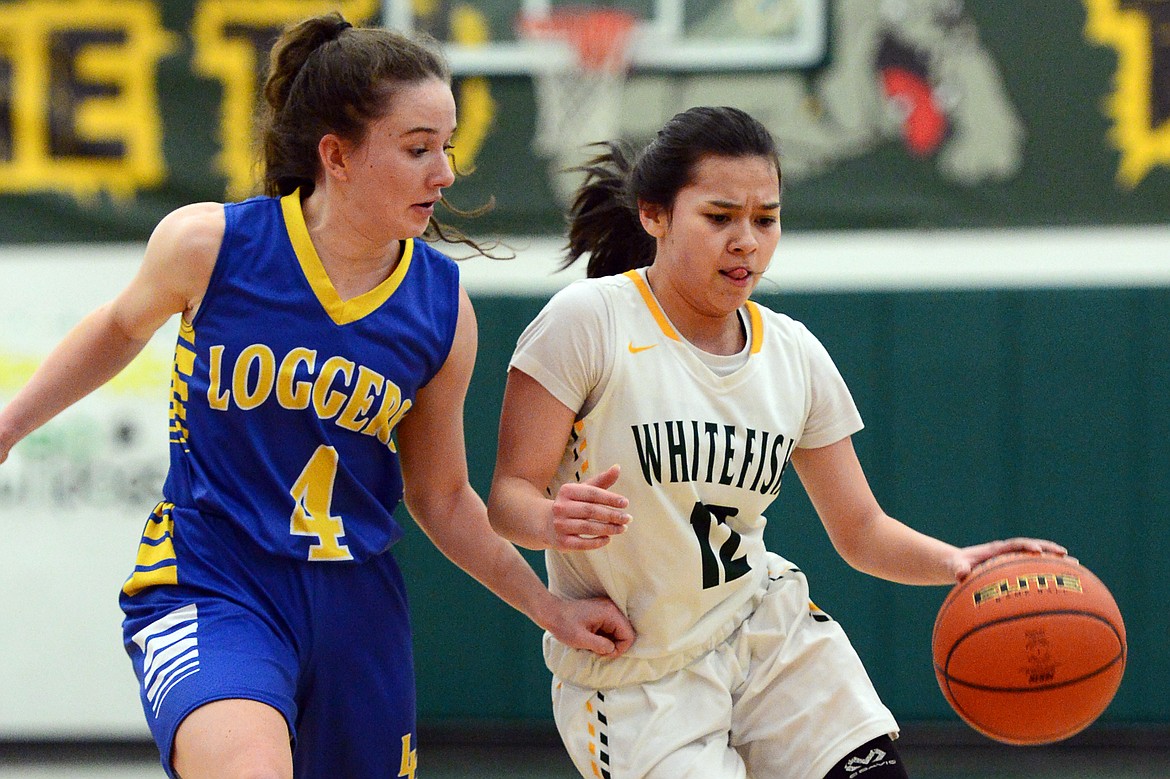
(580, 104)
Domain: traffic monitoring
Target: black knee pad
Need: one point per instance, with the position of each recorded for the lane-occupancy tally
(876, 759)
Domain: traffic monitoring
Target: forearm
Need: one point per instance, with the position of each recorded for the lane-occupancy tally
(884, 547)
(874, 542)
(462, 533)
(520, 513)
(91, 354)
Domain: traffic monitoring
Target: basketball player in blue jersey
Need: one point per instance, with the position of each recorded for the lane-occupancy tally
(650, 413)
(323, 358)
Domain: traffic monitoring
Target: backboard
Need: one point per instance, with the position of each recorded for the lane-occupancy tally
(671, 36)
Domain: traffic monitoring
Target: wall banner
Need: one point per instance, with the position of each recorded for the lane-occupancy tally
(916, 113)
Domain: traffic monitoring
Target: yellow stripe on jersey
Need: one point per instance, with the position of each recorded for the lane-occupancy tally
(652, 304)
(579, 443)
(757, 326)
(644, 290)
(342, 312)
(155, 563)
(181, 371)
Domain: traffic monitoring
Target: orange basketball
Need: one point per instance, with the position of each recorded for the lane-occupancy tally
(1029, 649)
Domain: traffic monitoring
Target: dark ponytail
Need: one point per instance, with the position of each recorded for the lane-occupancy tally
(603, 220)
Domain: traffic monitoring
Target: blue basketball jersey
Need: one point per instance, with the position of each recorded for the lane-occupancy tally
(285, 398)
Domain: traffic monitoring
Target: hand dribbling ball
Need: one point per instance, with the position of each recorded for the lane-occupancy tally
(1029, 649)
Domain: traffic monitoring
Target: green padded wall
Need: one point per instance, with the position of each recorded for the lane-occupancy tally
(988, 414)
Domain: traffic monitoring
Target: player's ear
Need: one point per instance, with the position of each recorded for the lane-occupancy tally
(654, 218)
(334, 153)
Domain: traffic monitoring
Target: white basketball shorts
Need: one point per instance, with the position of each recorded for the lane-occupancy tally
(785, 696)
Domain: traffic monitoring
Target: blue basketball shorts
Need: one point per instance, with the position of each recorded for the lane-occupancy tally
(328, 644)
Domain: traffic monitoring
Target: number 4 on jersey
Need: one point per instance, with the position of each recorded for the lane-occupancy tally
(312, 513)
(703, 519)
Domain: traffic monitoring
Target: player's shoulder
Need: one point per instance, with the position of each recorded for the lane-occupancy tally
(577, 310)
(428, 252)
(191, 232)
(192, 222)
(436, 263)
(786, 335)
(582, 293)
(779, 321)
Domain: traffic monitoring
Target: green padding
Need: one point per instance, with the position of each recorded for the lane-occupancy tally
(988, 414)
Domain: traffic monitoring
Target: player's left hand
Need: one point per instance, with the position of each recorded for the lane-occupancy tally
(971, 556)
(586, 515)
(595, 624)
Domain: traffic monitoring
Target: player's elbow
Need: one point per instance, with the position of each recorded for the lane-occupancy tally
(498, 515)
(507, 517)
(857, 541)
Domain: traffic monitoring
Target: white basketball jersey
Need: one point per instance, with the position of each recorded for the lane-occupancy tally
(702, 457)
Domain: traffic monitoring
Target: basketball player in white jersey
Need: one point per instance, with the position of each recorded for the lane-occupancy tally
(659, 378)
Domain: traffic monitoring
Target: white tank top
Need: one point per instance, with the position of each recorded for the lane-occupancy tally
(702, 457)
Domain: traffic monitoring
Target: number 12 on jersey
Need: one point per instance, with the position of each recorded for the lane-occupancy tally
(722, 567)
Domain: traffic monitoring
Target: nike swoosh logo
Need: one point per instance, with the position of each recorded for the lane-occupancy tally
(635, 349)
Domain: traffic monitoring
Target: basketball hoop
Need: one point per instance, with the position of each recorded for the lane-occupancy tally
(580, 104)
(599, 37)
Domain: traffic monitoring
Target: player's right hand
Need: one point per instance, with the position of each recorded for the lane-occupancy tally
(585, 515)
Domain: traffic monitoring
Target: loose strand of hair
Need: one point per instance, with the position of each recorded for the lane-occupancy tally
(437, 231)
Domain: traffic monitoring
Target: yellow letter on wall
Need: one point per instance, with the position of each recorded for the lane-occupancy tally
(84, 114)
